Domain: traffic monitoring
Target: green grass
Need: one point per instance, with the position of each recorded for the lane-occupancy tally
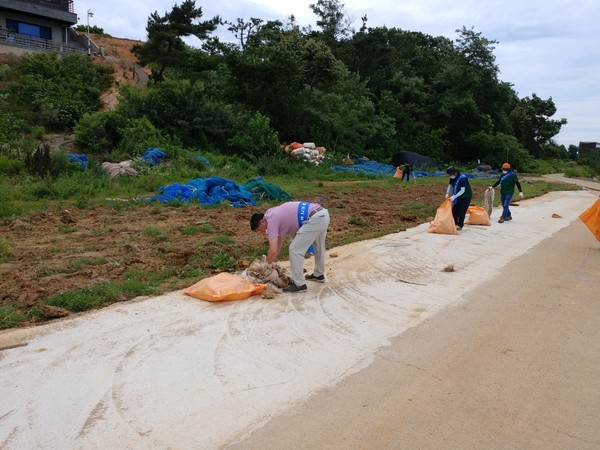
(66, 228)
(9, 317)
(358, 221)
(136, 282)
(5, 251)
(90, 297)
(155, 233)
(197, 229)
(224, 240)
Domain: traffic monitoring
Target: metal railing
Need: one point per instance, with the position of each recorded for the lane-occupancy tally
(38, 44)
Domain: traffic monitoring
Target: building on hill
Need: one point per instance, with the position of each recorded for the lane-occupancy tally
(37, 25)
(589, 149)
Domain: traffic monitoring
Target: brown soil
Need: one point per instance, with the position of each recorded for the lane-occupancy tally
(67, 248)
(117, 53)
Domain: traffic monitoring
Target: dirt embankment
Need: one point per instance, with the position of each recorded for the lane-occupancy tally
(117, 52)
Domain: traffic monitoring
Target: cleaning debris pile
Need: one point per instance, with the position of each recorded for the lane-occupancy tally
(273, 275)
(121, 168)
(259, 278)
(307, 151)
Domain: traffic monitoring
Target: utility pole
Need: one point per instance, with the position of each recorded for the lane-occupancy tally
(89, 14)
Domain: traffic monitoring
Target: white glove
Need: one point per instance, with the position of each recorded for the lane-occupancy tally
(447, 195)
(452, 198)
(520, 195)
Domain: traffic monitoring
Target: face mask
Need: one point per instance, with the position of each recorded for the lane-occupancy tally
(505, 171)
(452, 177)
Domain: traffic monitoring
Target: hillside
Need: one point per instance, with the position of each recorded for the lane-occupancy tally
(117, 53)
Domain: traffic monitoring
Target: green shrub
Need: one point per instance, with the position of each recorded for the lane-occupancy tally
(137, 136)
(280, 163)
(578, 172)
(99, 133)
(256, 139)
(10, 166)
(55, 90)
(43, 189)
(39, 161)
(543, 166)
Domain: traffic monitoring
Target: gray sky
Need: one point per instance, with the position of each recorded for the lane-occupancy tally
(550, 48)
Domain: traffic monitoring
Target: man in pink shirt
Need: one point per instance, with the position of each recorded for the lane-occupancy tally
(309, 221)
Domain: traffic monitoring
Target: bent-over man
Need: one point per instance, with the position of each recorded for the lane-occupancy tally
(309, 223)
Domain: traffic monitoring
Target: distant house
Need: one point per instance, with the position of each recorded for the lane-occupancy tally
(588, 149)
(37, 25)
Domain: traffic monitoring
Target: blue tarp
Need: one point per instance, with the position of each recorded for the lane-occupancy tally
(373, 167)
(81, 160)
(207, 191)
(367, 166)
(153, 156)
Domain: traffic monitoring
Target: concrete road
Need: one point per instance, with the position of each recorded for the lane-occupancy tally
(392, 352)
(516, 366)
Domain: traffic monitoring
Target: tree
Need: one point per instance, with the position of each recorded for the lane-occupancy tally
(533, 126)
(164, 47)
(93, 29)
(477, 50)
(332, 20)
(254, 33)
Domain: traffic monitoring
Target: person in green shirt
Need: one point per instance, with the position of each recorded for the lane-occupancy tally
(507, 183)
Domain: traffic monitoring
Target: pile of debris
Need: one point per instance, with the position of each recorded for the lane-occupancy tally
(307, 151)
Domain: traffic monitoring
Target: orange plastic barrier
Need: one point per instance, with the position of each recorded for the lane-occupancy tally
(443, 223)
(224, 287)
(478, 216)
(591, 218)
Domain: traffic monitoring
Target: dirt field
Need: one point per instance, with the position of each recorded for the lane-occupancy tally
(57, 250)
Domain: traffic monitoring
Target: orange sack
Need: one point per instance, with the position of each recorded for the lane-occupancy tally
(478, 216)
(398, 173)
(222, 287)
(591, 218)
(443, 223)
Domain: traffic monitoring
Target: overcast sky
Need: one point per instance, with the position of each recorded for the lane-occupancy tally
(550, 48)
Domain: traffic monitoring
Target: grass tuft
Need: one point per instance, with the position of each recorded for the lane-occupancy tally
(90, 297)
(155, 233)
(9, 317)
